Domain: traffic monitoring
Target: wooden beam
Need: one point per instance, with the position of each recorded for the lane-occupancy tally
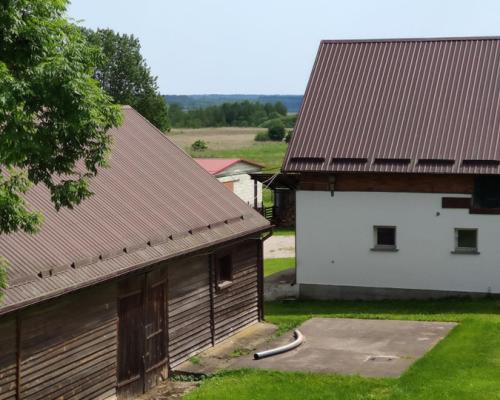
(211, 264)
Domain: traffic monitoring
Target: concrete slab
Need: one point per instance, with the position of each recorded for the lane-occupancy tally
(279, 247)
(378, 348)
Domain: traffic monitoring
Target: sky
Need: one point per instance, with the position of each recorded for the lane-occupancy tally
(269, 46)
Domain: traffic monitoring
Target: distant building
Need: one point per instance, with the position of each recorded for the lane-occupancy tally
(396, 154)
(234, 174)
(282, 212)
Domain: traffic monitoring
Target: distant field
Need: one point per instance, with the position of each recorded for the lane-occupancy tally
(232, 143)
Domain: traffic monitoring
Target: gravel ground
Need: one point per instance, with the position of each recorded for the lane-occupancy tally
(279, 247)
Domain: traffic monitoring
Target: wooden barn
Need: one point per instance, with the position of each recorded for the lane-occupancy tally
(161, 263)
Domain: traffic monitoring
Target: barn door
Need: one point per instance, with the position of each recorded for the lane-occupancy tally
(141, 334)
(155, 355)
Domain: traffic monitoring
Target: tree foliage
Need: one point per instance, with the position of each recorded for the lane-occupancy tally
(276, 131)
(199, 145)
(124, 74)
(243, 113)
(261, 137)
(53, 114)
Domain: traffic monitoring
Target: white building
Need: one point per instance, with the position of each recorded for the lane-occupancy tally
(234, 174)
(397, 148)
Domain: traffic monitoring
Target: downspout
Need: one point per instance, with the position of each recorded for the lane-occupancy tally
(260, 273)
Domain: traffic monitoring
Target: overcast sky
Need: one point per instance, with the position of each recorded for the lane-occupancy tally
(268, 46)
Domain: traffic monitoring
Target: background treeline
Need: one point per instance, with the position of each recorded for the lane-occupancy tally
(244, 114)
(193, 101)
(124, 74)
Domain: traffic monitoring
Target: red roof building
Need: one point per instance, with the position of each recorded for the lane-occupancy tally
(234, 173)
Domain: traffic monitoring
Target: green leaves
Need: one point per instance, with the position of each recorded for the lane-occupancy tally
(3, 275)
(54, 117)
(125, 76)
(14, 212)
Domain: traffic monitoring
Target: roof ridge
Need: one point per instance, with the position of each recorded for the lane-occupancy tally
(409, 39)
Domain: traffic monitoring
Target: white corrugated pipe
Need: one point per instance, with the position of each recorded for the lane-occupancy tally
(299, 338)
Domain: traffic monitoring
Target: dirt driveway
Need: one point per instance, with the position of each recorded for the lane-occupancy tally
(279, 247)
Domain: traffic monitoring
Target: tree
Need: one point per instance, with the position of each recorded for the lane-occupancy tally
(53, 114)
(276, 131)
(124, 74)
(199, 145)
(280, 108)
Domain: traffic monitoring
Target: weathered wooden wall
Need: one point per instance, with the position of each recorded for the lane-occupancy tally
(68, 347)
(196, 320)
(237, 305)
(189, 329)
(8, 355)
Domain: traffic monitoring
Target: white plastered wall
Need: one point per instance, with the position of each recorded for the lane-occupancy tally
(244, 188)
(335, 235)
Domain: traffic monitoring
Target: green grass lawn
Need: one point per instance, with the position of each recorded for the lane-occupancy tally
(269, 154)
(465, 365)
(283, 232)
(273, 265)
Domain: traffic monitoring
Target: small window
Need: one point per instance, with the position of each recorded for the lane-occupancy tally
(487, 192)
(384, 238)
(465, 240)
(224, 271)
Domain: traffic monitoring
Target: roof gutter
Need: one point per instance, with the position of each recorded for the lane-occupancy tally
(191, 252)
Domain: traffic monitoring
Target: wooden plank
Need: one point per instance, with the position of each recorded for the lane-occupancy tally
(54, 323)
(190, 304)
(195, 293)
(390, 182)
(190, 346)
(247, 321)
(72, 388)
(184, 336)
(8, 358)
(38, 370)
(180, 359)
(68, 344)
(212, 272)
(200, 315)
(74, 371)
(456, 202)
(189, 297)
(260, 278)
(74, 347)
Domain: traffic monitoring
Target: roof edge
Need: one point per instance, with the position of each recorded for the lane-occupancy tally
(407, 39)
(58, 293)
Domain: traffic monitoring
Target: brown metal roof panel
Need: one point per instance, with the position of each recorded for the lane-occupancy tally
(72, 279)
(436, 99)
(151, 190)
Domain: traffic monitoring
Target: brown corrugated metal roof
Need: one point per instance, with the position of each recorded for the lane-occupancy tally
(371, 105)
(153, 202)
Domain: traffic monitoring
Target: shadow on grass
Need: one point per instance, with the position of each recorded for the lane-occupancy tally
(288, 315)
